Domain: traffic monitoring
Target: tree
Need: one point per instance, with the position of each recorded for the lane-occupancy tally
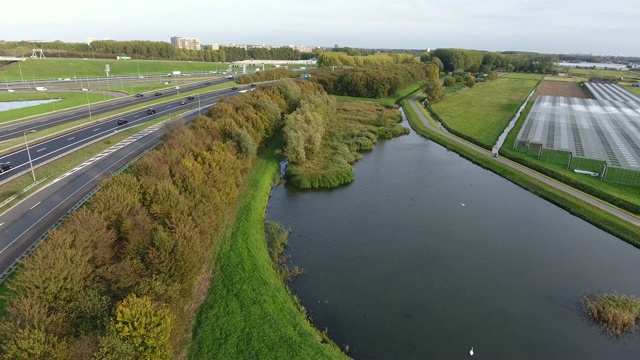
(449, 81)
(144, 325)
(469, 81)
(433, 89)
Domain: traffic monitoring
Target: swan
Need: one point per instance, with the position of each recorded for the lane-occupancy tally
(471, 352)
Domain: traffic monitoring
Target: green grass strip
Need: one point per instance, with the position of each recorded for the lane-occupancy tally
(249, 313)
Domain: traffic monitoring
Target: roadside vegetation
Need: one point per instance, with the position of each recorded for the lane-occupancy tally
(124, 277)
(616, 313)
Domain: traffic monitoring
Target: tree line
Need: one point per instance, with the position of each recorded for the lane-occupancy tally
(119, 279)
(109, 49)
(336, 58)
(474, 61)
(373, 82)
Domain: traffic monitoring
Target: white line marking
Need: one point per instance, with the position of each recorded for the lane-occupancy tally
(96, 129)
(71, 138)
(59, 203)
(40, 149)
(1, 224)
(38, 203)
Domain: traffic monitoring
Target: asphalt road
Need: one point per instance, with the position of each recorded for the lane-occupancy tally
(50, 149)
(542, 178)
(24, 223)
(13, 130)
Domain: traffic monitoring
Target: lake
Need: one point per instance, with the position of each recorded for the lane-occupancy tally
(426, 255)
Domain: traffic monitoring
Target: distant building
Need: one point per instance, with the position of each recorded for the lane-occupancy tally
(185, 43)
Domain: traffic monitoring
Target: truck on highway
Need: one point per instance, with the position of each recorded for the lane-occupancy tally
(176, 73)
(41, 88)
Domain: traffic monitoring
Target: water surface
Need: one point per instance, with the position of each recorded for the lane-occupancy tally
(425, 255)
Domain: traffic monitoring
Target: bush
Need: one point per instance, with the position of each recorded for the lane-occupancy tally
(449, 81)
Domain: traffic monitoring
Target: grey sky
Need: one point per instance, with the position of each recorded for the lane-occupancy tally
(565, 26)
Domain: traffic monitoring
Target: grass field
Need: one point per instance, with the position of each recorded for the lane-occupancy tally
(70, 68)
(69, 100)
(635, 90)
(248, 313)
(482, 113)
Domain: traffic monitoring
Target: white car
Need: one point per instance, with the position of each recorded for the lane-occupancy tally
(11, 90)
(83, 89)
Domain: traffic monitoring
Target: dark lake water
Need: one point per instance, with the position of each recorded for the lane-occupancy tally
(426, 255)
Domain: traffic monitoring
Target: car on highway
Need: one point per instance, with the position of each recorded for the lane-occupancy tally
(84, 89)
(5, 167)
(253, 85)
(151, 111)
(139, 95)
(229, 77)
(158, 94)
(122, 122)
(208, 83)
(191, 97)
(234, 88)
(183, 102)
(11, 90)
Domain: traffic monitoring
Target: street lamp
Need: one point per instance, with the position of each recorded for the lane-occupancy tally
(89, 105)
(199, 104)
(26, 143)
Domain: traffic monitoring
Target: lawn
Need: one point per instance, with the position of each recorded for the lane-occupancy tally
(480, 114)
(71, 68)
(248, 313)
(388, 101)
(69, 100)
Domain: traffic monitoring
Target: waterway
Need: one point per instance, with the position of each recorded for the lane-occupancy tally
(12, 105)
(511, 124)
(426, 255)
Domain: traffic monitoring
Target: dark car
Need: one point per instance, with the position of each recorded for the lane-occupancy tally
(158, 94)
(253, 85)
(5, 167)
(151, 111)
(122, 122)
(139, 95)
(208, 83)
(191, 97)
(234, 88)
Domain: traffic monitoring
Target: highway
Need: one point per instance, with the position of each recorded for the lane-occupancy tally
(52, 148)
(25, 222)
(12, 130)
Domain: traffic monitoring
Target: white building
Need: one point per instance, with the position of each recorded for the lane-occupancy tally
(185, 43)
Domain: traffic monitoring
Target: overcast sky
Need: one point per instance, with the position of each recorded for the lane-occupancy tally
(566, 26)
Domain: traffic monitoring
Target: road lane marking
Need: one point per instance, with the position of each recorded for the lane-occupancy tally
(1, 224)
(71, 138)
(96, 129)
(38, 203)
(40, 149)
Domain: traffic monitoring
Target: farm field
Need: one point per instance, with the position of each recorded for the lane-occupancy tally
(70, 68)
(562, 88)
(482, 113)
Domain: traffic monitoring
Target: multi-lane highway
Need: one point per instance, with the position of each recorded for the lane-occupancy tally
(49, 149)
(25, 222)
(16, 129)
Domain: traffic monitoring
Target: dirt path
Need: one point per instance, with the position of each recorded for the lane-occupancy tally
(542, 178)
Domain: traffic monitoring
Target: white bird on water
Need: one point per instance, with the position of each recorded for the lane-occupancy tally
(471, 352)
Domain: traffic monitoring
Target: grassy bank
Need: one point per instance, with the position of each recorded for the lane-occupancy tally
(388, 101)
(480, 114)
(610, 223)
(82, 68)
(249, 313)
